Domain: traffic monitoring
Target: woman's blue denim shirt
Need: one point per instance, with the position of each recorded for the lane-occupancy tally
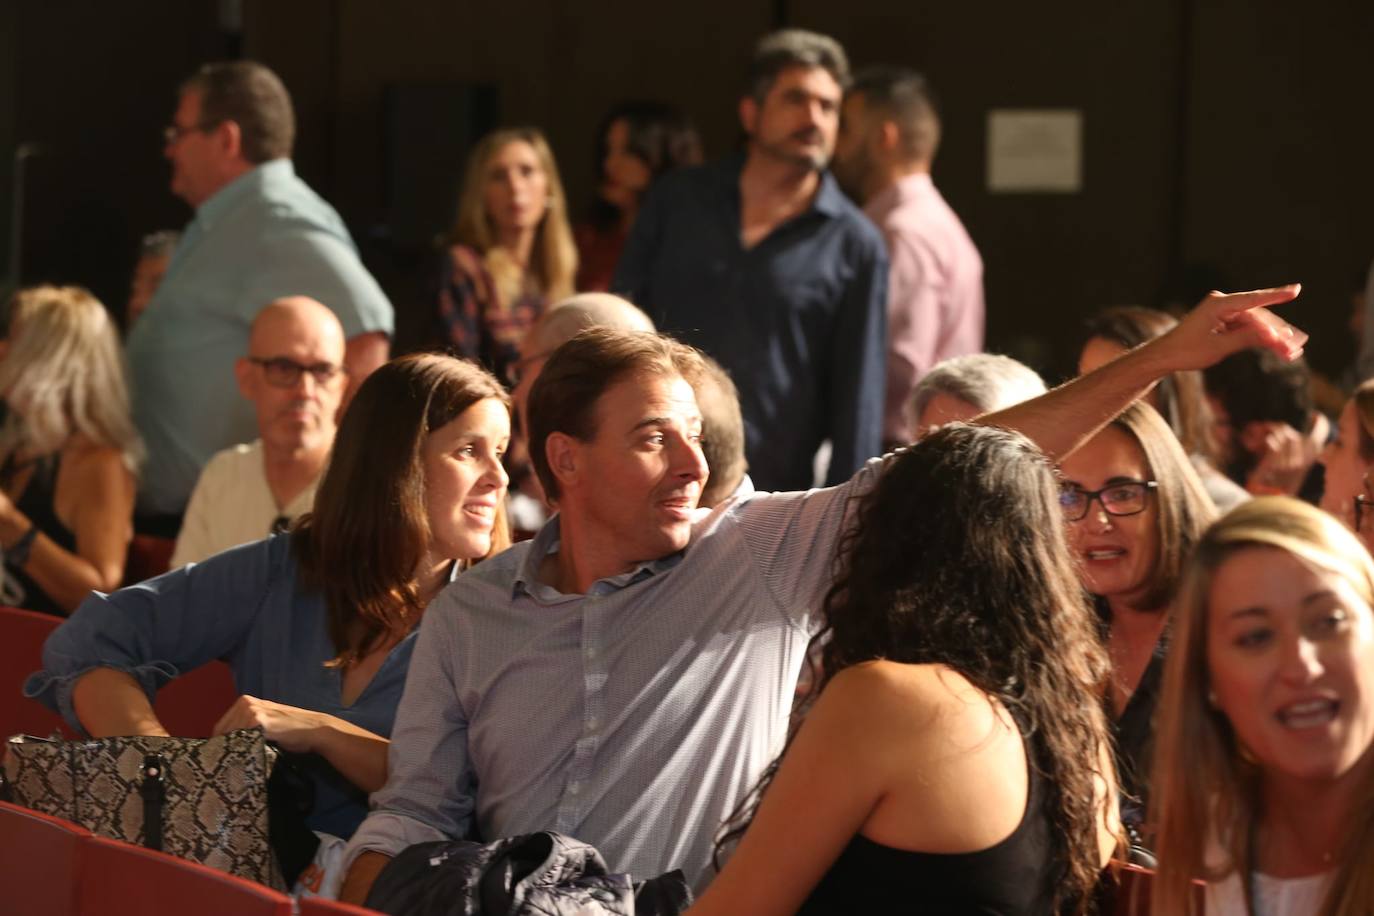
(248, 607)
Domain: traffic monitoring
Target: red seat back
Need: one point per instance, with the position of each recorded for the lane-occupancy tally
(22, 634)
(191, 705)
(148, 557)
(1135, 887)
(117, 879)
(316, 906)
(39, 862)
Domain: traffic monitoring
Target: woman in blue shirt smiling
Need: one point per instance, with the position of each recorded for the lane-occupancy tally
(317, 625)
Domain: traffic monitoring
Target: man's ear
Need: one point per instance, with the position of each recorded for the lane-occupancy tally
(888, 136)
(564, 455)
(229, 138)
(748, 114)
(243, 374)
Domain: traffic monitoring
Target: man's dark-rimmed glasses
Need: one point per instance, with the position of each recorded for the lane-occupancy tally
(282, 372)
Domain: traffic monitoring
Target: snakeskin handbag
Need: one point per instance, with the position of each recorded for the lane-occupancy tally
(203, 799)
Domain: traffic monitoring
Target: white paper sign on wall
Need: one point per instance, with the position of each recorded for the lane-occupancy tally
(1035, 150)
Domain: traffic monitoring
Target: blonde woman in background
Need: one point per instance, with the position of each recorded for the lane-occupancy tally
(68, 451)
(1264, 776)
(511, 251)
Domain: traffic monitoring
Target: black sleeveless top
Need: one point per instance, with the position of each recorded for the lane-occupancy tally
(36, 502)
(1015, 877)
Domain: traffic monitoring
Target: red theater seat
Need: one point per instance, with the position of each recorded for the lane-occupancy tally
(118, 879)
(21, 653)
(39, 862)
(1136, 884)
(191, 705)
(314, 906)
(148, 557)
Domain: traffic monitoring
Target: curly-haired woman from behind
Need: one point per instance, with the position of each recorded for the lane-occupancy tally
(1264, 756)
(957, 759)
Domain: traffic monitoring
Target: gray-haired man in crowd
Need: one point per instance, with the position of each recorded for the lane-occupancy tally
(968, 386)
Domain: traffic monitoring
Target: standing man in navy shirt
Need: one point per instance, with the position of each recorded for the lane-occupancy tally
(761, 261)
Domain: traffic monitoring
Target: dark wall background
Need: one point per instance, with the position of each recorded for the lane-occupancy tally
(1225, 142)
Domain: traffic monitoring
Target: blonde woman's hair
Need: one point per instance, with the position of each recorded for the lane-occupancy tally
(553, 261)
(1205, 792)
(65, 374)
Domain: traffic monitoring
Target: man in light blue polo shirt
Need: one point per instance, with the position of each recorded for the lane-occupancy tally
(259, 234)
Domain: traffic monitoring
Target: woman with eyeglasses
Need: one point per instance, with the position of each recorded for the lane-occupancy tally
(1264, 775)
(318, 624)
(511, 252)
(68, 451)
(1134, 508)
(1348, 458)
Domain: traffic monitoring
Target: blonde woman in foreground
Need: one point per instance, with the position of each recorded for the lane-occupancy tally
(1264, 778)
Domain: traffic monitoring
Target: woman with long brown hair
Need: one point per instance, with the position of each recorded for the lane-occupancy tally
(957, 758)
(1264, 766)
(511, 252)
(318, 624)
(637, 142)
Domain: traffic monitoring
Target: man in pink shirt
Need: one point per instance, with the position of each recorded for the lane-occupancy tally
(889, 133)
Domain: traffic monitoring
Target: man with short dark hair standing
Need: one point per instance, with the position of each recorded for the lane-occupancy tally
(259, 234)
(763, 263)
(889, 133)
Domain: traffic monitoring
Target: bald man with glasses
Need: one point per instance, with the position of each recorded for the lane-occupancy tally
(294, 377)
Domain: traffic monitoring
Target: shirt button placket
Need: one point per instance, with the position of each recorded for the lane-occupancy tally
(593, 684)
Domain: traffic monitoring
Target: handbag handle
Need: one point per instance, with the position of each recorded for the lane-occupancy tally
(154, 792)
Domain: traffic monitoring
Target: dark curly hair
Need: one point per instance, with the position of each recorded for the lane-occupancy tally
(957, 557)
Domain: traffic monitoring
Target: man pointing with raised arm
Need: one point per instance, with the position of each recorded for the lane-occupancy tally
(625, 677)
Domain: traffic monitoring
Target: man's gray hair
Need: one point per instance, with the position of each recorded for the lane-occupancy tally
(988, 381)
(570, 317)
(785, 48)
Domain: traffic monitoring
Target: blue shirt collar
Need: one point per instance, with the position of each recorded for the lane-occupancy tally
(246, 185)
(829, 201)
(548, 540)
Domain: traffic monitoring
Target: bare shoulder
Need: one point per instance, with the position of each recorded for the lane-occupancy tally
(86, 465)
(888, 688)
(912, 707)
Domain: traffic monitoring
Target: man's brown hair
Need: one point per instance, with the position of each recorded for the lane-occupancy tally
(253, 97)
(565, 396)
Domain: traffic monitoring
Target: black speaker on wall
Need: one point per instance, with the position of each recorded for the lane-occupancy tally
(428, 129)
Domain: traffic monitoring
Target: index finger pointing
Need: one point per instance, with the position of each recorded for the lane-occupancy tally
(1232, 304)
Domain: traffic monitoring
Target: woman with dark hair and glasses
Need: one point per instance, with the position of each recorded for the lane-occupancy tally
(318, 624)
(1135, 508)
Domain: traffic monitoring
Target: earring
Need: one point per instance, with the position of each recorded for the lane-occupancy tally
(1212, 699)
